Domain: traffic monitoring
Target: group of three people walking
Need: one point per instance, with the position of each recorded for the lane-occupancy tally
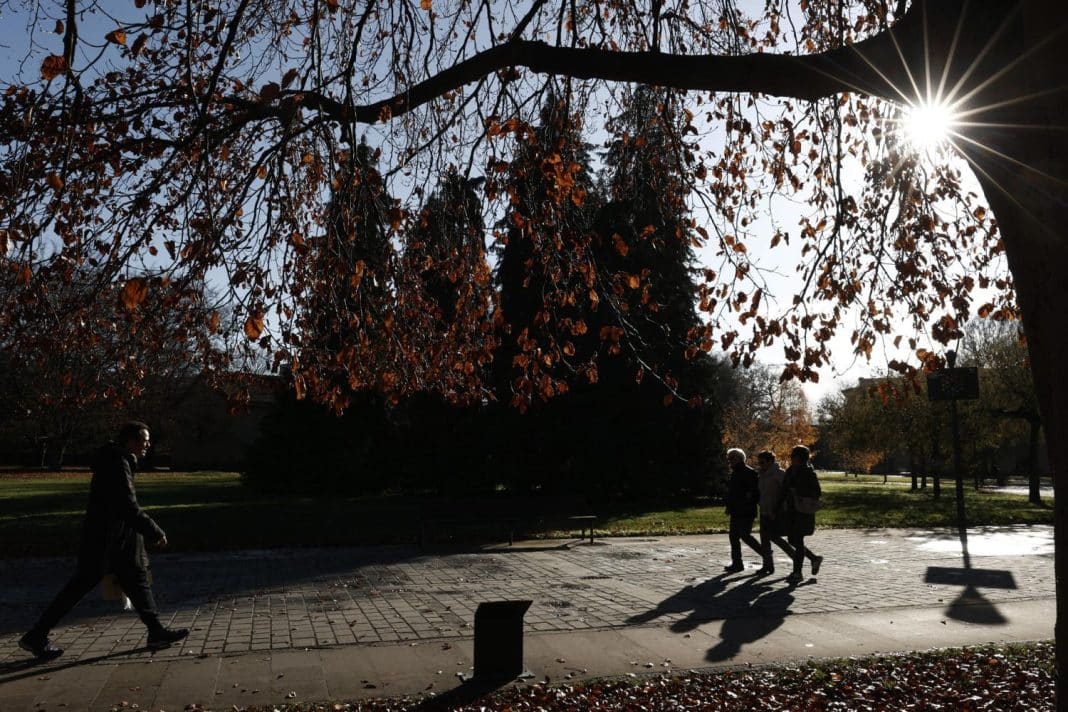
(786, 502)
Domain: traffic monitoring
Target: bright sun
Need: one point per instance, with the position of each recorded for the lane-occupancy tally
(928, 125)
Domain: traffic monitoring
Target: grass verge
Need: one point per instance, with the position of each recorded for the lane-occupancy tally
(205, 511)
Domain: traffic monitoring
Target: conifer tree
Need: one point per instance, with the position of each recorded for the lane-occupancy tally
(660, 386)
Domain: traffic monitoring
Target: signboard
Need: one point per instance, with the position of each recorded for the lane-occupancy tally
(953, 384)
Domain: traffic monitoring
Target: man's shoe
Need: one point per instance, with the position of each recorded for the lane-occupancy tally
(40, 647)
(817, 562)
(165, 637)
(734, 568)
(765, 571)
(794, 578)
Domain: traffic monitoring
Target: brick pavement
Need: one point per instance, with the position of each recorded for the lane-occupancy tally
(313, 598)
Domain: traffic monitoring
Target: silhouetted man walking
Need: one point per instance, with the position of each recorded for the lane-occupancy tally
(742, 498)
(113, 542)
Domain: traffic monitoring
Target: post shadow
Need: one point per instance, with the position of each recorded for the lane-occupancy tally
(970, 606)
(468, 693)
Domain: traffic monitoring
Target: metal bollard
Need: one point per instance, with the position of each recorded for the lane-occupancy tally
(499, 639)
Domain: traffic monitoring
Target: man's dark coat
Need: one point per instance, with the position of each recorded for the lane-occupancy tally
(113, 536)
(743, 494)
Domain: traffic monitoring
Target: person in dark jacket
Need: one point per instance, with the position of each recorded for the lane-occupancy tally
(742, 497)
(113, 542)
(800, 481)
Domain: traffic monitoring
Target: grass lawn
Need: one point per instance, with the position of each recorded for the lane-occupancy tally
(41, 513)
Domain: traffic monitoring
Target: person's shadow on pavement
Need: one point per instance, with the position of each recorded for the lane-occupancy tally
(709, 600)
(29, 666)
(765, 614)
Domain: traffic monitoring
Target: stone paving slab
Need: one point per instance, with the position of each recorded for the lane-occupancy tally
(430, 668)
(291, 600)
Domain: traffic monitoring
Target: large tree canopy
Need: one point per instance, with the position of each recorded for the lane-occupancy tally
(184, 141)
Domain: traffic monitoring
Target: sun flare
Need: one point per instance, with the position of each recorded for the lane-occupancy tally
(928, 125)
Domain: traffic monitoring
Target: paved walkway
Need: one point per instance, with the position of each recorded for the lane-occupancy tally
(397, 620)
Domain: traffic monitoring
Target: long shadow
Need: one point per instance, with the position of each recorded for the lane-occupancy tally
(750, 610)
(467, 693)
(970, 605)
(767, 613)
(31, 666)
(707, 601)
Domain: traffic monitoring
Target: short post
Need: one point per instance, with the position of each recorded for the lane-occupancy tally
(499, 640)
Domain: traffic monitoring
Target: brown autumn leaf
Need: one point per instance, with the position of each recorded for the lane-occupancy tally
(59, 27)
(254, 326)
(426, 4)
(633, 281)
(134, 292)
(54, 181)
(139, 44)
(116, 37)
(52, 66)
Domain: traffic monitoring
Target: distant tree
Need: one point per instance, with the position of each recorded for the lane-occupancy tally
(102, 352)
(854, 430)
(548, 201)
(1007, 391)
(764, 413)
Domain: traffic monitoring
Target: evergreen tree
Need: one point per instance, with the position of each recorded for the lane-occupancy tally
(449, 278)
(346, 286)
(546, 350)
(551, 205)
(345, 300)
(647, 315)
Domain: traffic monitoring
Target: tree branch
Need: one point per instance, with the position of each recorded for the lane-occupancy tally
(873, 66)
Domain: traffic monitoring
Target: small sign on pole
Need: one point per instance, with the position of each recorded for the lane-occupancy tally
(953, 384)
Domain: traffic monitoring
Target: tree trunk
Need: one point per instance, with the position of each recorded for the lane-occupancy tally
(1034, 221)
(1023, 174)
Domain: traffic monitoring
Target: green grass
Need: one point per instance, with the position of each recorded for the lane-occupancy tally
(41, 514)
